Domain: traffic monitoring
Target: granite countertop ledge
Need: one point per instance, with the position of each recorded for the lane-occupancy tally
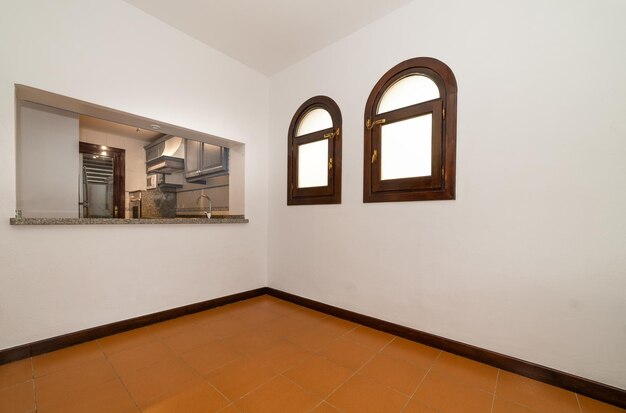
(232, 219)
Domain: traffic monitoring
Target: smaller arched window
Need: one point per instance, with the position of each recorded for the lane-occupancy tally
(314, 154)
(410, 134)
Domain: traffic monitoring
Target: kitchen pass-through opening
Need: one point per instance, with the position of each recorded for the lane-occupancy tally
(105, 163)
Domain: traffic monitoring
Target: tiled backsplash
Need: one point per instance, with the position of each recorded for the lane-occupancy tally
(158, 204)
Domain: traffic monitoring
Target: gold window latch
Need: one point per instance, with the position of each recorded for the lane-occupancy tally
(369, 124)
(334, 134)
(374, 155)
(330, 164)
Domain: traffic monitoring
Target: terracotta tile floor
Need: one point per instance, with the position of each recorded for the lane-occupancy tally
(267, 355)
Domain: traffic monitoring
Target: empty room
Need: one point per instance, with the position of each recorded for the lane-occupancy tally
(373, 206)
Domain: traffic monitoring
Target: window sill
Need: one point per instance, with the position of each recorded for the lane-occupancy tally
(233, 219)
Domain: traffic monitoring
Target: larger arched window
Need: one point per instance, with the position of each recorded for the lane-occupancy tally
(410, 134)
(314, 153)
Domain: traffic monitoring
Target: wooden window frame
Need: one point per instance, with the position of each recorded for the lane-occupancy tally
(441, 184)
(331, 193)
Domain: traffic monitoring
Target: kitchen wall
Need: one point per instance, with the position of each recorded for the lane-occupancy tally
(216, 187)
(46, 156)
(530, 259)
(59, 279)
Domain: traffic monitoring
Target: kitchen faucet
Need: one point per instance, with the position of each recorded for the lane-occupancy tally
(208, 213)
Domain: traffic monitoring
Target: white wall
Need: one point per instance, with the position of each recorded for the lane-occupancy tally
(54, 280)
(530, 259)
(48, 162)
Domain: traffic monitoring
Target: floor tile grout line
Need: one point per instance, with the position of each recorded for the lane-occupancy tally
(219, 391)
(56, 371)
(112, 353)
(315, 353)
(255, 388)
(35, 396)
(341, 335)
(119, 378)
(16, 384)
(359, 369)
(73, 366)
(580, 408)
(207, 380)
(530, 408)
(331, 405)
(196, 372)
(157, 339)
(183, 385)
(274, 376)
(180, 359)
(422, 381)
(32, 368)
(398, 358)
(350, 377)
(380, 352)
(303, 388)
(522, 404)
(32, 375)
(495, 390)
(19, 383)
(231, 404)
(90, 387)
(353, 374)
(316, 406)
(387, 344)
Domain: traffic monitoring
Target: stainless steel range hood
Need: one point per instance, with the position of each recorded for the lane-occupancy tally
(166, 155)
(165, 165)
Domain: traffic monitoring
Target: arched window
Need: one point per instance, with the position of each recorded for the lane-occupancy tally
(410, 134)
(314, 156)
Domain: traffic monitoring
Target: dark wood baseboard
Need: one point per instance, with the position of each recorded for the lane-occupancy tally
(586, 387)
(70, 339)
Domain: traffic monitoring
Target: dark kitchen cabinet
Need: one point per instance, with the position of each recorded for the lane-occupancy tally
(203, 160)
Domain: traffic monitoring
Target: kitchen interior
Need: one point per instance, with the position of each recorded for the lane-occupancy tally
(156, 175)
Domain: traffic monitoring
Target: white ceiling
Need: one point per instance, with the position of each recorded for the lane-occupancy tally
(106, 126)
(268, 35)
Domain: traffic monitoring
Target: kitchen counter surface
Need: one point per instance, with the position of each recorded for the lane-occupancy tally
(224, 219)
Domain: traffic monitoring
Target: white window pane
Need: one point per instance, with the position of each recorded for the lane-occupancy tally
(313, 164)
(406, 148)
(408, 91)
(314, 120)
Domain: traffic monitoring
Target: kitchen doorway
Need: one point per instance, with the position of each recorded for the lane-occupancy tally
(102, 177)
